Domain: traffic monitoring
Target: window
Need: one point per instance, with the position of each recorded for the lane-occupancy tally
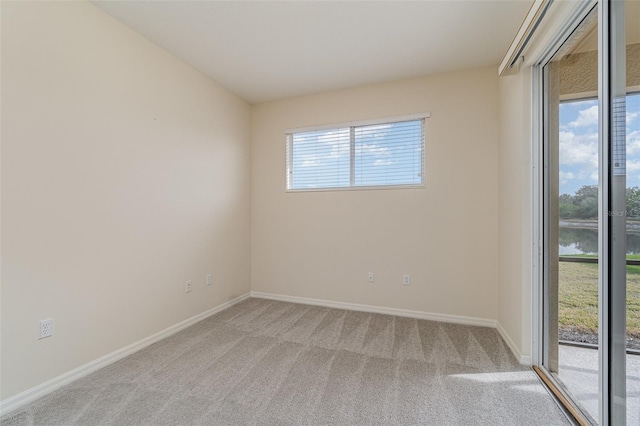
(384, 153)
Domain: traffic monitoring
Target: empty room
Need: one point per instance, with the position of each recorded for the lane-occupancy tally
(320, 212)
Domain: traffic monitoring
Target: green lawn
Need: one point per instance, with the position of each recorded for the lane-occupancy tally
(578, 298)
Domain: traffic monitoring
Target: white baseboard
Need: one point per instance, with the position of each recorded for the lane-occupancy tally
(523, 359)
(457, 319)
(17, 401)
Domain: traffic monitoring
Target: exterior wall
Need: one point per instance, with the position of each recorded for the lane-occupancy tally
(578, 72)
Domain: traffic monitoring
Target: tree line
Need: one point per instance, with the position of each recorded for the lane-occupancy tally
(584, 203)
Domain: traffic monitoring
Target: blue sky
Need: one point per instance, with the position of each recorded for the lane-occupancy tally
(579, 143)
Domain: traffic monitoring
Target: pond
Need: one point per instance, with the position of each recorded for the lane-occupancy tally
(583, 240)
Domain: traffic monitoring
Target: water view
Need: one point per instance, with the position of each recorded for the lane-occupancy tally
(578, 176)
(583, 239)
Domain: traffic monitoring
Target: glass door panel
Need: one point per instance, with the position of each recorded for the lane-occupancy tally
(632, 142)
(571, 223)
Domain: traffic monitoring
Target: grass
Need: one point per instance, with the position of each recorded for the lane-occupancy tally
(578, 298)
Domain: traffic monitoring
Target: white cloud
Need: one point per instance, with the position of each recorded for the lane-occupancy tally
(579, 149)
(565, 177)
(589, 117)
(633, 165)
(378, 131)
(371, 149)
(382, 163)
(633, 142)
(338, 140)
(334, 136)
(377, 127)
(586, 117)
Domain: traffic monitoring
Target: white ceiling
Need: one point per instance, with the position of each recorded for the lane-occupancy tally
(266, 50)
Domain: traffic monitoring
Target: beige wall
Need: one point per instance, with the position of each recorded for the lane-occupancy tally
(124, 174)
(322, 244)
(514, 291)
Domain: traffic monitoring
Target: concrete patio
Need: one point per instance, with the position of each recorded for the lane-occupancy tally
(579, 373)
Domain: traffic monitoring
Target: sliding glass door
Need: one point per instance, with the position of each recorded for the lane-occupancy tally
(590, 230)
(570, 219)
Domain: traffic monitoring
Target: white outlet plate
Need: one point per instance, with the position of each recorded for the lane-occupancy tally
(406, 279)
(372, 277)
(208, 279)
(187, 287)
(45, 328)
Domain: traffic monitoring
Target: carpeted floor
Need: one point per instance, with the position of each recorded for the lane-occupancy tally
(275, 363)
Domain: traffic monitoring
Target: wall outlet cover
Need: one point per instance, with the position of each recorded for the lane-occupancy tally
(45, 328)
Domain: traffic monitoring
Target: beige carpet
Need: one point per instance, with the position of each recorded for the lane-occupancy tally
(275, 363)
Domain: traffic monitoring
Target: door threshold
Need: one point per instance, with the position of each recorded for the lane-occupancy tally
(568, 405)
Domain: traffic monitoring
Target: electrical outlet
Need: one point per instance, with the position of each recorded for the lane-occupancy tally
(45, 328)
(406, 279)
(209, 280)
(372, 277)
(187, 287)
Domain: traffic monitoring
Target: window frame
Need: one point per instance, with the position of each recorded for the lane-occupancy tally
(351, 125)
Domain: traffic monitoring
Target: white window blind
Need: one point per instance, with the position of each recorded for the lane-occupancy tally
(384, 154)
